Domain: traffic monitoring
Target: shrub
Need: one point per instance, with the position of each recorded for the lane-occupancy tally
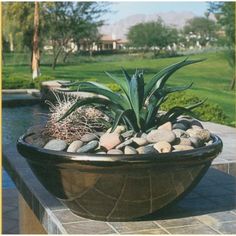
(207, 111)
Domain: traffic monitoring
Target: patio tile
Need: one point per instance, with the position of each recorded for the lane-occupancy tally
(126, 227)
(217, 217)
(193, 229)
(226, 227)
(152, 231)
(66, 216)
(179, 222)
(89, 228)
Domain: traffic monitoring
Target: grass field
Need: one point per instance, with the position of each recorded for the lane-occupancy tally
(211, 78)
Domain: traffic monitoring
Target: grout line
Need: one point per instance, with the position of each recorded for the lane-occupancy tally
(209, 226)
(112, 227)
(161, 227)
(75, 222)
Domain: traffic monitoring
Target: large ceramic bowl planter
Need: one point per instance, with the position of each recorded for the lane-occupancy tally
(119, 187)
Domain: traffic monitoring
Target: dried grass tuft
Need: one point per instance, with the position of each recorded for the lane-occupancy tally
(84, 120)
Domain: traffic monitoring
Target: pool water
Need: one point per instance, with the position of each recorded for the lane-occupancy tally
(15, 121)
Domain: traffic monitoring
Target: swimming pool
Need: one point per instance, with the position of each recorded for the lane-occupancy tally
(15, 121)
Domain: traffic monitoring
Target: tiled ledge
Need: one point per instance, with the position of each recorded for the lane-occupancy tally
(209, 208)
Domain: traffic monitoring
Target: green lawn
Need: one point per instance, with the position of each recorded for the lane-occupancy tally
(211, 78)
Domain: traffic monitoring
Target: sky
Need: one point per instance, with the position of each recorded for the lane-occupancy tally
(123, 9)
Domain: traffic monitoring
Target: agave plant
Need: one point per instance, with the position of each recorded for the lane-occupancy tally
(138, 104)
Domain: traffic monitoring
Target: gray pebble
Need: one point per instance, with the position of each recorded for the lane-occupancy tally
(125, 143)
(88, 147)
(197, 123)
(156, 136)
(196, 142)
(100, 153)
(146, 149)
(180, 126)
(115, 151)
(88, 137)
(74, 146)
(140, 141)
(56, 145)
(130, 150)
(127, 134)
(180, 133)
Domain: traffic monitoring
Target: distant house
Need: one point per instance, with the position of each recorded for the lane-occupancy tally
(106, 42)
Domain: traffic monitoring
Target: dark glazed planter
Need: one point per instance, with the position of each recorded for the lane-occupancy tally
(118, 187)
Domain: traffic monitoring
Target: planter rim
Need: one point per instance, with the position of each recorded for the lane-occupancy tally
(196, 153)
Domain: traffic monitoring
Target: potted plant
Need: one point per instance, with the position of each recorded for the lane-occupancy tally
(145, 159)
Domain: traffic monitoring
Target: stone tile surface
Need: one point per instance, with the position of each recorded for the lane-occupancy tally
(126, 227)
(94, 227)
(193, 229)
(187, 221)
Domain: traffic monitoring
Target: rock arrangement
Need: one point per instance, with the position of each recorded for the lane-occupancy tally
(183, 134)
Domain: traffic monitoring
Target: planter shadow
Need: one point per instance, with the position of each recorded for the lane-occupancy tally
(119, 187)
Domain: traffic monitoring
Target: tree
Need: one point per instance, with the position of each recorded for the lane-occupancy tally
(225, 15)
(152, 34)
(35, 54)
(69, 22)
(203, 28)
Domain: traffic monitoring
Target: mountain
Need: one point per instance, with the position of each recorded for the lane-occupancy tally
(120, 28)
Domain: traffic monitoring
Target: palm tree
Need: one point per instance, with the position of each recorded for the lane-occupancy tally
(36, 54)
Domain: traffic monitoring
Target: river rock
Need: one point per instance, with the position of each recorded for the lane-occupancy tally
(56, 145)
(203, 134)
(119, 129)
(88, 137)
(166, 125)
(182, 147)
(115, 151)
(125, 143)
(180, 133)
(185, 141)
(196, 127)
(140, 141)
(100, 153)
(180, 125)
(162, 147)
(156, 136)
(130, 150)
(146, 149)
(74, 146)
(110, 140)
(89, 147)
(197, 123)
(36, 139)
(127, 134)
(196, 142)
(143, 135)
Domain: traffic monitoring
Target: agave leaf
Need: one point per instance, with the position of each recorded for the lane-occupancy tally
(119, 114)
(161, 77)
(102, 90)
(122, 82)
(176, 89)
(140, 81)
(89, 101)
(134, 97)
(128, 78)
